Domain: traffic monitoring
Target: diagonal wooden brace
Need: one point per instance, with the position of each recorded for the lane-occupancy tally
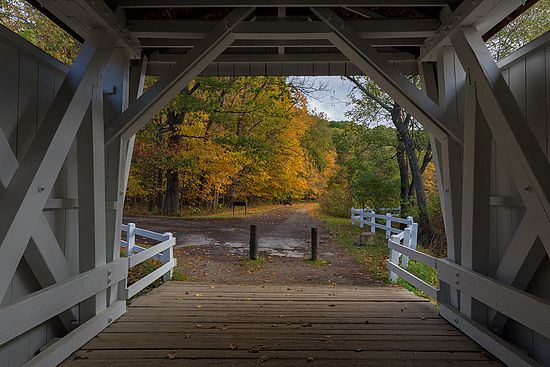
(374, 65)
(28, 191)
(193, 63)
(528, 165)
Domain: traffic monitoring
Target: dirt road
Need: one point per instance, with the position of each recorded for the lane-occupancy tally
(215, 249)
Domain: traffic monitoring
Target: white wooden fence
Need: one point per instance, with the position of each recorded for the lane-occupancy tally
(402, 244)
(409, 235)
(162, 251)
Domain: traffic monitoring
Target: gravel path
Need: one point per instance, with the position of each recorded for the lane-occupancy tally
(214, 249)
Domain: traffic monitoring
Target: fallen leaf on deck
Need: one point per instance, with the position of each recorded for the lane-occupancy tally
(171, 355)
(232, 346)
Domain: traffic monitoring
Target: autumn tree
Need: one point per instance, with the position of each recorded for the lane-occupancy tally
(412, 154)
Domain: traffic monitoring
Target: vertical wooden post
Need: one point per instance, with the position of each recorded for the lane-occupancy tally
(361, 218)
(414, 235)
(131, 238)
(167, 256)
(253, 254)
(315, 243)
(372, 221)
(407, 243)
(394, 259)
(388, 224)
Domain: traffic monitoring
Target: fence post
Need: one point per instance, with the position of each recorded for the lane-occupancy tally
(352, 215)
(314, 244)
(373, 221)
(253, 254)
(414, 235)
(388, 224)
(394, 259)
(406, 243)
(361, 218)
(167, 256)
(131, 239)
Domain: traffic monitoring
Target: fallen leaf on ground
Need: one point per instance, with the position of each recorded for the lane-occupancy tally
(232, 346)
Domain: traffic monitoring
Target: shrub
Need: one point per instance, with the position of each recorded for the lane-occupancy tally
(336, 202)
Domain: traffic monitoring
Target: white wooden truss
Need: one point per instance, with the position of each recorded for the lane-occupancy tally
(479, 134)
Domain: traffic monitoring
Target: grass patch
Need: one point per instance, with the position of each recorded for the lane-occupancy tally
(373, 257)
(424, 272)
(252, 265)
(318, 262)
(179, 277)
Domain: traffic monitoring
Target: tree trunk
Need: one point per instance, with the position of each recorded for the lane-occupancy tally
(158, 196)
(404, 176)
(171, 200)
(241, 120)
(425, 161)
(399, 118)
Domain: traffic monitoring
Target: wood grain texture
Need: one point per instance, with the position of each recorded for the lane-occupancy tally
(181, 324)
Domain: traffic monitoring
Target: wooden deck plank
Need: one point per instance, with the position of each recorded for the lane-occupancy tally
(182, 324)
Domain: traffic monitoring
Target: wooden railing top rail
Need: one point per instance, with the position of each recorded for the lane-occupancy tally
(163, 251)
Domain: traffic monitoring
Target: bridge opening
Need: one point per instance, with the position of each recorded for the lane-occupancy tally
(69, 133)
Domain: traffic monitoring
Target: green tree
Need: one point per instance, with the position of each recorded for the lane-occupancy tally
(29, 23)
(531, 24)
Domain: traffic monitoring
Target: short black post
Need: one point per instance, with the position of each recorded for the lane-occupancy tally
(314, 244)
(253, 255)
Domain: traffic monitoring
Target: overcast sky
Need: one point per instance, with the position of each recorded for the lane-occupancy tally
(332, 101)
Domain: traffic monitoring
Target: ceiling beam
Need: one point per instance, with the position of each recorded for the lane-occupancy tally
(246, 43)
(278, 30)
(277, 58)
(275, 4)
(309, 68)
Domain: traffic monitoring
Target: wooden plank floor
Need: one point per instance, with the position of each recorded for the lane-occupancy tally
(182, 324)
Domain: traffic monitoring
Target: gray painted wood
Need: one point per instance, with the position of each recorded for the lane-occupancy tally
(29, 80)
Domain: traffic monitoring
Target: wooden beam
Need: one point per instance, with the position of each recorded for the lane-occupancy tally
(482, 14)
(117, 74)
(506, 352)
(519, 263)
(84, 16)
(174, 81)
(64, 347)
(527, 162)
(43, 253)
(523, 307)
(275, 4)
(263, 43)
(27, 193)
(42, 305)
(91, 193)
(283, 29)
(476, 192)
(373, 64)
(276, 58)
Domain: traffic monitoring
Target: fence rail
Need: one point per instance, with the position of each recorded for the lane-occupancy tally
(163, 251)
(402, 244)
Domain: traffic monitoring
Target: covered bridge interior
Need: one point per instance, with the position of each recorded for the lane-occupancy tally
(66, 138)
